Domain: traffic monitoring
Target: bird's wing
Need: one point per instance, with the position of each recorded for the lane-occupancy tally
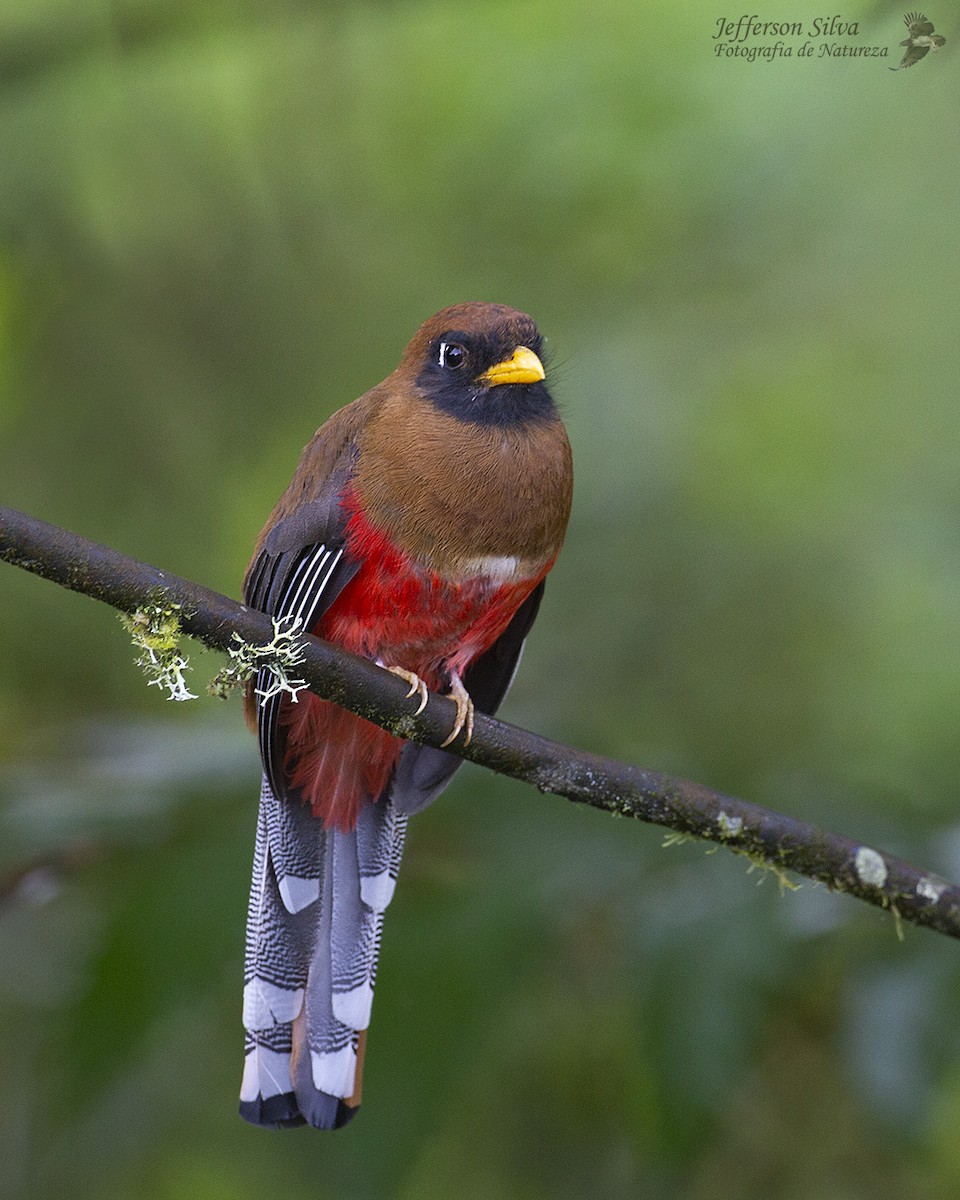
(296, 575)
(488, 679)
(913, 55)
(917, 24)
(423, 771)
(300, 564)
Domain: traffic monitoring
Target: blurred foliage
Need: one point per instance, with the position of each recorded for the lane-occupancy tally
(219, 221)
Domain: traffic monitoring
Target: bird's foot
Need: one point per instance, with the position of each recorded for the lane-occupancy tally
(461, 697)
(417, 686)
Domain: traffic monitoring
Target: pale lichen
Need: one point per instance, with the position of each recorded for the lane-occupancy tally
(870, 867)
(283, 653)
(931, 889)
(155, 631)
(729, 826)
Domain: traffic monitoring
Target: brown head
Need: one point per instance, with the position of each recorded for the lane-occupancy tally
(465, 456)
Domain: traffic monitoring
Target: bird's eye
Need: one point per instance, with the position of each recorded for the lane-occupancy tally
(453, 356)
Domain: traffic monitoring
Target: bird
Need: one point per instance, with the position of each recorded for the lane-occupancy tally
(417, 530)
(922, 38)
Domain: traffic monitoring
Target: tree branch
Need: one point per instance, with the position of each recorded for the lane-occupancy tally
(773, 839)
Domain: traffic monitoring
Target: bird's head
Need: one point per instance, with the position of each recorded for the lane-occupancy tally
(481, 363)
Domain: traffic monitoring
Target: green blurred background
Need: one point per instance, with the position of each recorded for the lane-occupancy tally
(219, 221)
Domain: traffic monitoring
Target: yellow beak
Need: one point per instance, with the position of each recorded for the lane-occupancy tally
(522, 366)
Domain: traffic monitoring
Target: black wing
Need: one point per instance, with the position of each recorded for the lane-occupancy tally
(301, 569)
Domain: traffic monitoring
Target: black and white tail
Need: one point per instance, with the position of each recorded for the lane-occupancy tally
(313, 937)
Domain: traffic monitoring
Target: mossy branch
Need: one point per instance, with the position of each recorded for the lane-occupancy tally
(770, 839)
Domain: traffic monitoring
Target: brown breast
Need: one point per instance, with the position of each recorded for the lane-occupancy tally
(465, 499)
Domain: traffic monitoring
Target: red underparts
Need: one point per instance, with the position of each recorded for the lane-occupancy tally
(405, 617)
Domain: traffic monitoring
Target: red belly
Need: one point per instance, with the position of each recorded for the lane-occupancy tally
(406, 617)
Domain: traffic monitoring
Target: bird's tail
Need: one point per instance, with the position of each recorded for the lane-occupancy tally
(313, 938)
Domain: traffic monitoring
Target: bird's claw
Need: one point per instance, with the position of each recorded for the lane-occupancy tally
(417, 686)
(458, 694)
(461, 697)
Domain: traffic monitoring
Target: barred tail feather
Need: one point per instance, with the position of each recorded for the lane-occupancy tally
(313, 939)
(381, 830)
(275, 976)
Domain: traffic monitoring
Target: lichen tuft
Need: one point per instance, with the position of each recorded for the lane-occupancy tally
(155, 631)
(279, 656)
